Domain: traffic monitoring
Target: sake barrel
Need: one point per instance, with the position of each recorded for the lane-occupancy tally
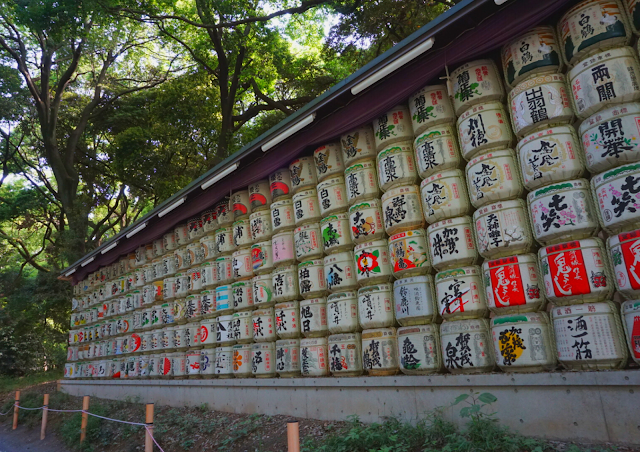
(183, 260)
(223, 362)
(207, 362)
(311, 278)
(305, 207)
(611, 137)
(182, 285)
(262, 290)
(285, 283)
(224, 299)
(430, 106)
(313, 317)
(179, 312)
(208, 333)
(282, 216)
(242, 233)
(242, 295)
(592, 25)
(396, 165)
(523, 342)
(414, 300)
(182, 234)
(303, 174)
(224, 212)
(260, 225)
(419, 349)
(224, 269)
(375, 306)
(195, 227)
(158, 248)
(242, 360)
(264, 325)
(342, 312)
(436, 150)
(242, 264)
(402, 210)
(606, 78)
(392, 127)
(208, 303)
(196, 254)
(168, 266)
(195, 280)
(332, 196)
(493, 177)
(340, 271)
(483, 127)
(452, 243)
(345, 354)
(209, 224)
(380, 351)
(307, 242)
(631, 325)
(624, 250)
(467, 347)
(260, 195)
(314, 357)
(460, 294)
(372, 262)
(549, 156)
(512, 284)
(224, 330)
(535, 52)
(263, 357)
(634, 14)
(167, 312)
(179, 365)
(361, 181)
(242, 327)
(409, 253)
(154, 366)
(538, 102)
(192, 364)
(328, 160)
(589, 336)
(287, 319)
(444, 195)
(224, 241)
(563, 211)
(288, 358)
(503, 229)
(280, 184)
(617, 195)
(576, 272)
(476, 82)
(209, 273)
(193, 336)
(359, 144)
(261, 257)
(365, 221)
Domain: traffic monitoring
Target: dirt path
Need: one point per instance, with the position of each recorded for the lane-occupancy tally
(24, 439)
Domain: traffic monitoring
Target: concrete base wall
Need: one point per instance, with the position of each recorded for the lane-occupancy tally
(593, 406)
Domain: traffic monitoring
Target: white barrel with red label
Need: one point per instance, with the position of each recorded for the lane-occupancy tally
(262, 291)
(303, 174)
(345, 354)
(314, 359)
(280, 184)
(224, 269)
(340, 271)
(562, 212)
(261, 257)
(523, 342)
(589, 336)
(414, 300)
(534, 52)
(282, 249)
(576, 272)
(611, 137)
(332, 196)
(311, 279)
(328, 161)
(263, 360)
(375, 306)
(393, 126)
(467, 346)
(285, 283)
(282, 216)
(260, 226)
(209, 224)
(313, 317)
(240, 204)
(402, 210)
(259, 195)
(372, 262)
(452, 243)
(503, 229)
(419, 349)
(513, 284)
(460, 294)
(539, 102)
(380, 351)
(606, 78)
(342, 312)
(223, 362)
(617, 195)
(224, 213)
(484, 127)
(624, 250)
(192, 364)
(396, 165)
(242, 233)
(242, 295)
(436, 150)
(429, 107)
(208, 333)
(444, 195)
(287, 319)
(476, 82)
(359, 144)
(242, 360)
(493, 177)
(631, 325)
(288, 358)
(242, 327)
(182, 234)
(592, 25)
(264, 325)
(409, 253)
(335, 233)
(305, 207)
(242, 266)
(158, 244)
(361, 180)
(208, 303)
(365, 221)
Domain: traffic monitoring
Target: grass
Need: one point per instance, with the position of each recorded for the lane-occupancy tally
(8, 384)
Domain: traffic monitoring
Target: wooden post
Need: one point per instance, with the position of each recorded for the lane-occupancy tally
(85, 417)
(15, 410)
(293, 436)
(45, 414)
(58, 385)
(148, 440)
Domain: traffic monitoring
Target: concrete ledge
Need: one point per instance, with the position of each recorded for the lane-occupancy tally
(594, 406)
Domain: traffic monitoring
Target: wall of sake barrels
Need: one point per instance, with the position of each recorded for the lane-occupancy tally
(488, 224)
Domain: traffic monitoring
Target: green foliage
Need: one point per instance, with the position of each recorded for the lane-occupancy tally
(9, 383)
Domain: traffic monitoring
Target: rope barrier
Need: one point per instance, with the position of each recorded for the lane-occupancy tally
(115, 420)
(149, 429)
(10, 410)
